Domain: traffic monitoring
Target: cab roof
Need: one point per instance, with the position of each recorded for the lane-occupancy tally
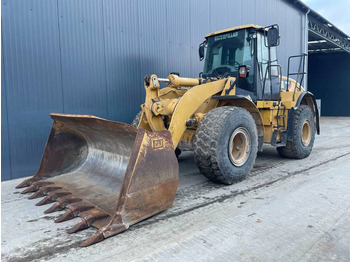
(234, 29)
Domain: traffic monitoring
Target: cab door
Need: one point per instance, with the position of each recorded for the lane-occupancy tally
(268, 70)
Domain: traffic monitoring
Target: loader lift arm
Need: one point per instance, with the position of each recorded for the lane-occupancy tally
(183, 108)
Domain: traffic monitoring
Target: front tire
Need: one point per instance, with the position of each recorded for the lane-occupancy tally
(303, 135)
(226, 144)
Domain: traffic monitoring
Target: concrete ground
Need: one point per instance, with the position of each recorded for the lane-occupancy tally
(286, 210)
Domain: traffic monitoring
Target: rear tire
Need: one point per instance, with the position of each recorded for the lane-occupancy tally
(303, 135)
(226, 144)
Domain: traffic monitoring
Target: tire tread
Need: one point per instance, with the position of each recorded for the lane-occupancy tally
(205, 143)
(291, 150)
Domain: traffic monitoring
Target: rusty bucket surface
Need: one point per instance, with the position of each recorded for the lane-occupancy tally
(108, 173)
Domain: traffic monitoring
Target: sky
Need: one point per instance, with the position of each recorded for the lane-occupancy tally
(335, 11)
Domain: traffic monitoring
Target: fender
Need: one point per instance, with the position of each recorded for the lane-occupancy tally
(303, 97)
(189, 103)
(244, 102)
(306, 95)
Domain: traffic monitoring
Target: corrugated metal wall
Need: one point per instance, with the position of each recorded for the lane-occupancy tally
(90, 56)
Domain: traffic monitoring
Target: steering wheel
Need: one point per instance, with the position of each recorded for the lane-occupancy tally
(222, 69)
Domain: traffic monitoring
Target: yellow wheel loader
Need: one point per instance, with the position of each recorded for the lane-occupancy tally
(113, 175)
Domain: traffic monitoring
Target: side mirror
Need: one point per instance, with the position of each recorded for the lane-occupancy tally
(201, 50)
(273, 37)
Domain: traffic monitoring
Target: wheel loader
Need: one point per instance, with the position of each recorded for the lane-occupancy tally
(113, 175)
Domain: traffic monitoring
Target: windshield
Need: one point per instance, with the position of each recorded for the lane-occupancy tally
(226, 52)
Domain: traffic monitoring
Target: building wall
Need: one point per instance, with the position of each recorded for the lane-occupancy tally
(329, 80)
(90, 57)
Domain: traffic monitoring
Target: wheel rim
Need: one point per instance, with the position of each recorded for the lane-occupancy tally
(239, 146)
(306, 133)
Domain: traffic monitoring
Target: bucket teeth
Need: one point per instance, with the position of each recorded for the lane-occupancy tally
(95, 238)
(50, 188)
(103, 172)
(44, 201)
(31, 188)
(53, 196)
(78, 227)
(93, 215)
(26, 183)
(78, 208)
(73, 211)
(44, 191)
(58, 193)
(68, 215)
(35, 186)
(37, 194)
(88, 218)
(65, 201)
(40, 184)
(55, 207)
(61, 204)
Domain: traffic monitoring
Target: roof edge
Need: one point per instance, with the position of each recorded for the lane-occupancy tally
(304, 7)
(233, 29)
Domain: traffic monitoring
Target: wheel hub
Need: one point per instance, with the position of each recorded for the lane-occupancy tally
(306, 133)
(239, 146)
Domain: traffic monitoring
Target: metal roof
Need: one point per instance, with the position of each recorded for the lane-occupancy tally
(324, 36)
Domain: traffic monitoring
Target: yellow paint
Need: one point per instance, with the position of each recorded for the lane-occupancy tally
(177, 103)
(164, 107)
(247, 104)
(188, 135)
(169, 93)
(266, 104)
(188, 104)
(268, 134)
(267, 116)
(176, 81)
(228, 86)
(154, 121)
(186, 98)
(233, 29)
(143, 121)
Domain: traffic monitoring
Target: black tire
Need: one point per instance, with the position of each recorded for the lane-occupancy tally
(212, 144)
(177, 152)
(136, 120)
(299, 148)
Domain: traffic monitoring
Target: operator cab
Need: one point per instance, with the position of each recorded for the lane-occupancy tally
(247, 53)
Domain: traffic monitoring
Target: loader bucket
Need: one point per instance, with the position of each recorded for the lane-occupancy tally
(108, 173)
